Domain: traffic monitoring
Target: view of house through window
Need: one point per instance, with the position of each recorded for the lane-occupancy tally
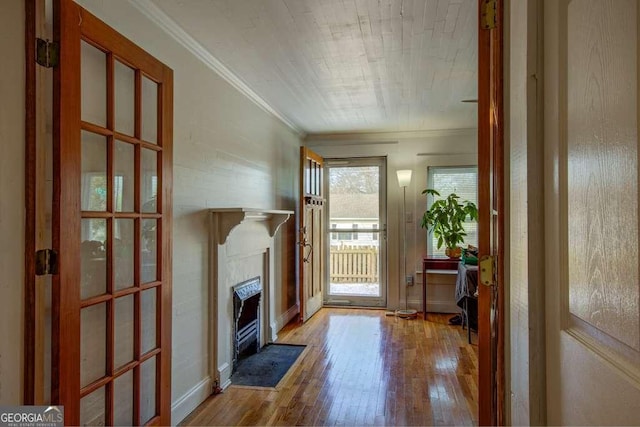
(462, 180)
(354, 252)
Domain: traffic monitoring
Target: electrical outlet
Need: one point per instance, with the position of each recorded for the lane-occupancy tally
(409, 217)
(409, 280)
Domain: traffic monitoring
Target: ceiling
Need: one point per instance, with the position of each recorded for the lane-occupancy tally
(331, 66)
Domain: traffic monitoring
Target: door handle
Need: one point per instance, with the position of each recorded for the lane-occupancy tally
(305, 244)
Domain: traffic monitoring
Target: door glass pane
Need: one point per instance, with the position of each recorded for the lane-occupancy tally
(123, 400)
(354, 218)
(93, 258)
(124, 328)
(124, 93)
(94, 172)
(93, 343)
(148, 320)
(123, 253)
(149, 110)
(124, 177)
(149, 247)
(148, 390)
(149, 181)
(92, 408)
(94, 84)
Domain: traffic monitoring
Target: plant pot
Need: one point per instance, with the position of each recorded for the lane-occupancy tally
(453, 253)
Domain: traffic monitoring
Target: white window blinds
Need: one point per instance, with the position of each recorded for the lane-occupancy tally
(462, 180)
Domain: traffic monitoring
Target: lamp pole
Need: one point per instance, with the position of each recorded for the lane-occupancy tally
(404, 179)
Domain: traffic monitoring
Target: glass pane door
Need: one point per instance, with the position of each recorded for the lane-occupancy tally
(112, 302)
(356, 227)
(119, 190)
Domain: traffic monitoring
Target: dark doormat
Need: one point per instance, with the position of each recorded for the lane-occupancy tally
(266, 369)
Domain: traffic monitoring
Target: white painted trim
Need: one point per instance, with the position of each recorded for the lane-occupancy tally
(286, 317)
(174, 30)
(186, 404)
(225, 384)
(224, 371)
(365, 138)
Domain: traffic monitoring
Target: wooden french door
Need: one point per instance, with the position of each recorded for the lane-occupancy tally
(111, 326)
(490, 213)
(311, 233)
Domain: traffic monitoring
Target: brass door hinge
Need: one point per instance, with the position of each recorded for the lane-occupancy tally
(487, 270)
(489, 14)
(47, 53)
(46, 262)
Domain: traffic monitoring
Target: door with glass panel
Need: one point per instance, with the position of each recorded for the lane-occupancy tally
(111, 331)
(356, 232)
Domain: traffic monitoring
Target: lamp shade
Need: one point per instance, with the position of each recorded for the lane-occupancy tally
(404, 177)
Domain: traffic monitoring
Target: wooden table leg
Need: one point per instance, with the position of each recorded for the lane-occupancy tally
(424, 290)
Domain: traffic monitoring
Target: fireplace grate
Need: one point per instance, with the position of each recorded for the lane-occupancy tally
(246, 315)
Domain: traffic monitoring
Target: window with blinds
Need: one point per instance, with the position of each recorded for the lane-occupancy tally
(462, 180)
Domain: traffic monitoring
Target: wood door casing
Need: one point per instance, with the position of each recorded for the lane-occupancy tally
(491, 219)
(311, 264)
(72, 24)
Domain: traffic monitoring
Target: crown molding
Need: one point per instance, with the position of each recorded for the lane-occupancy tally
(175, 31)
(385, 137)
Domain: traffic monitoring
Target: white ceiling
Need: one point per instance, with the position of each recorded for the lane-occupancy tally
(346, 65)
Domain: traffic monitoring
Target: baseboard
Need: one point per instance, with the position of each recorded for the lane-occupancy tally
(225, 384)
(185, 405)
(224, 375)
(286, 317)
(435, 306)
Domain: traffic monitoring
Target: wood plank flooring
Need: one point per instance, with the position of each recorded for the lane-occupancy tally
(362, 368)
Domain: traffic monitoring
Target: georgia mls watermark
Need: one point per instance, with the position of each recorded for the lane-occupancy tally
(31, 416)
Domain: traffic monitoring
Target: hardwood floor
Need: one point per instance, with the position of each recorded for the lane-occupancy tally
(362, 368)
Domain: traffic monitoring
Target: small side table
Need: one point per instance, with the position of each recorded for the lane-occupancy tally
(434, 262)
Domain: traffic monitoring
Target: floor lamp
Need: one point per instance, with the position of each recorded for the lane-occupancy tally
(404, 179)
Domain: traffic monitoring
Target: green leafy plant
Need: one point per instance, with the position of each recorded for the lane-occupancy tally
(445, 218)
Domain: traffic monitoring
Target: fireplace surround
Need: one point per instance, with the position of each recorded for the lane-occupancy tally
(241, 251)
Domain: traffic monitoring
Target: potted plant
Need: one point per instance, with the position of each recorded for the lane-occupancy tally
(445, 218)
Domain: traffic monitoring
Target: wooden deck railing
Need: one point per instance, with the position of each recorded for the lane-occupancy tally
(352, 264)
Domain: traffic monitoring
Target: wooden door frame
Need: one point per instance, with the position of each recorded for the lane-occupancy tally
(29, 345)
(35, 197)
(491, 184)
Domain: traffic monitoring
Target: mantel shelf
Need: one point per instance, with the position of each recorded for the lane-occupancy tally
(230, 218)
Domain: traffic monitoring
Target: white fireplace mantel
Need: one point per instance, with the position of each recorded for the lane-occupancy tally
(242, 247)
(230, 218)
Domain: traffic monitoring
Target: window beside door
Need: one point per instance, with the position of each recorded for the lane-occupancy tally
(462, 180)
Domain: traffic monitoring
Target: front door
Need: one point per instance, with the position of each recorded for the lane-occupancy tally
(591, 216)
(111, 323)
(355, 233)
(310, 234)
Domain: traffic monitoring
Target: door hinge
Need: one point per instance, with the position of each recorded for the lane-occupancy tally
(47, 53)
(489, 14)
(46, 262)
(487, 270)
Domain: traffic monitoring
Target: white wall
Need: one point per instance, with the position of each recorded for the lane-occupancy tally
(524, 247)
(416, 151)
(228, 152)
(11, 200)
